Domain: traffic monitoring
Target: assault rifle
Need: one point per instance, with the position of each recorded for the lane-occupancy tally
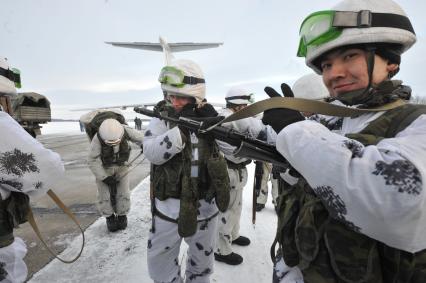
(248, 147)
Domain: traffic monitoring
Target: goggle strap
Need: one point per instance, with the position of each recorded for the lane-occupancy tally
(9, 74)
(245, 97)
(365, 19)
(192, 80)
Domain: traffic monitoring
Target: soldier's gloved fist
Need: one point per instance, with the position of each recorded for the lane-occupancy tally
(110, 180)
(279, 118)
(187, 111)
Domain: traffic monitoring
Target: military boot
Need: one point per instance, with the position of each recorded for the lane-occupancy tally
(231, 259)
(259, 206)
(122, 222)
(112, 223)
(241, 241)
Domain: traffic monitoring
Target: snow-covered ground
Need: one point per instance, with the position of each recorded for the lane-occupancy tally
(67, 128)
(121, 256)
(70, 128)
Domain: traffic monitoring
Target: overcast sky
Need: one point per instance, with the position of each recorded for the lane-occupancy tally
(59, 45)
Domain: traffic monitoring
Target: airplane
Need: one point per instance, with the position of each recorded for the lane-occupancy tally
(168, 49)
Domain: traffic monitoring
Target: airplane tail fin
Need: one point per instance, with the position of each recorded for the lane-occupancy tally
(168, 55)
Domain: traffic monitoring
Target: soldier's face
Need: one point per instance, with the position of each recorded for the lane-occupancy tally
(346, 70)
(179, 102)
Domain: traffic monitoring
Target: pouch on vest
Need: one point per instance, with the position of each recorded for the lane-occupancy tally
(18, 207)
(310, 227)
(187, 221)
(167, 178)
(354, 257)
(219, 181)
(288, 209)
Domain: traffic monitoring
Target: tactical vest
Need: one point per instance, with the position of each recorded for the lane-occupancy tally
(13, 211)
(109, 158)
(173, 180)
(327, 250)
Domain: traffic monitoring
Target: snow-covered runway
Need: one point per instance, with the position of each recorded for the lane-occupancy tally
(121, 256)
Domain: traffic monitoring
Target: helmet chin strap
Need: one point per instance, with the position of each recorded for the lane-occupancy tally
(371, 52)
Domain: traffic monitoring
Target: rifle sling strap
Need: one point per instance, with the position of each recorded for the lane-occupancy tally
(60, 204)
(304, 105)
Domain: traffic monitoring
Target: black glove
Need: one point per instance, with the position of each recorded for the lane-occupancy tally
(279, 118)
(110, 181)
(207, 110)
(187, 111)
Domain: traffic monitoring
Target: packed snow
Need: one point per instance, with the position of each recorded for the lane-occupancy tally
(121, 256)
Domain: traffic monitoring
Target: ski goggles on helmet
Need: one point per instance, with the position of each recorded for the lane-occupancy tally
(249, 98)
(12, 74)
(324, 26)
(112, 142)
(174, 77)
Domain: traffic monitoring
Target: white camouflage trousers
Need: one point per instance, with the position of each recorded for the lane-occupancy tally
(122, 198)
(12, 265)
(229, 221)
(263, 195)
(163, 252)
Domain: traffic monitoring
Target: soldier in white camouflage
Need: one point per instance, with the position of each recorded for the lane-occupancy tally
(356, 212)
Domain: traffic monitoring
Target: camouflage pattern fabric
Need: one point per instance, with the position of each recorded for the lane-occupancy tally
(329, 250)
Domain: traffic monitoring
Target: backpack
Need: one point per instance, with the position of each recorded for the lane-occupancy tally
(93, 120)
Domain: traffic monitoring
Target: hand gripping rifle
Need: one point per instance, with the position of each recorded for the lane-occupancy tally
(247, 146)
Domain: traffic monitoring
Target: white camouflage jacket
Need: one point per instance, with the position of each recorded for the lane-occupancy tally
(25, 165)
(378, 188)
(252, 126)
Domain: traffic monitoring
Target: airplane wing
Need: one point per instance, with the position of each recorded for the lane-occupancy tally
(122, 107)
(174, 47)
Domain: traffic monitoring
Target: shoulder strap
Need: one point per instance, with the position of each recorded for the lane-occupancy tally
(394, 121)
(33, 224)
(410, 113)
(305, 105)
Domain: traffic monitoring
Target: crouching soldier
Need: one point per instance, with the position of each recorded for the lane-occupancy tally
(27, 170)
(108, 159)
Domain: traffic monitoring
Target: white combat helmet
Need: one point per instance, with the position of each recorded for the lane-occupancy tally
(355, 22)
(7, 84)
(184, 78)
(238, 96)
(111, 131)
(310, 86)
